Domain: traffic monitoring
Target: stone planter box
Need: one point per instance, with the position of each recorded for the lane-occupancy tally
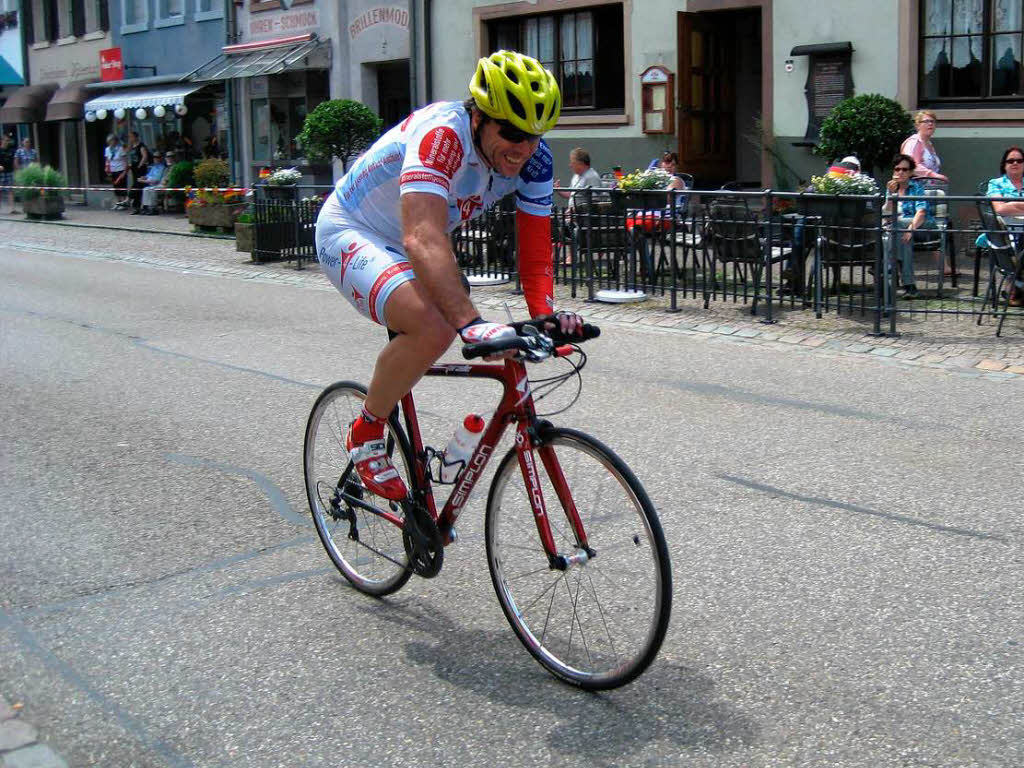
(222, 216)
(244, 236)
(44, 208)
(282, 193)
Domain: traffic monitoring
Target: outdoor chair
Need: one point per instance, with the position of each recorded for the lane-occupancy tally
(846, 240)
(939, 239)
(733, 235)
(1004, 261)
(600, 239)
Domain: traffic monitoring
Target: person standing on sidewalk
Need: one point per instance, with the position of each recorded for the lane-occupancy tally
(25, 155)
(7, 171)
(138, 163)
(115, 158)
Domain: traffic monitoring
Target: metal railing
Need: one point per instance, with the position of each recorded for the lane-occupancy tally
(770, 251)
(766, 250)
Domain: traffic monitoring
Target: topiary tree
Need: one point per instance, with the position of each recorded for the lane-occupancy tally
(870, 126)
(339, 128)
(212, 172)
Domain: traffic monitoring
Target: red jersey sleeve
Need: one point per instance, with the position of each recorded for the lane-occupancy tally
(535, 271)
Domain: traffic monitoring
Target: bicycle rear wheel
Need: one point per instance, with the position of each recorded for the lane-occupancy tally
(365, 545)
(598, 624)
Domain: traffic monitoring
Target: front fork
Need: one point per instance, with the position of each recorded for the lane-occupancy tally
(529, 437)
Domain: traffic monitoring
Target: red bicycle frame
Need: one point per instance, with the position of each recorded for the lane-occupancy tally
(516, 406)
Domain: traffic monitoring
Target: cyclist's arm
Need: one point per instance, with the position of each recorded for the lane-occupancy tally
(535, 270)
(426, 243)
(533, 223)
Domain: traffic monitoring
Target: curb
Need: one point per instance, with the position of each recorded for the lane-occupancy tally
(975, 360)
(19, 745)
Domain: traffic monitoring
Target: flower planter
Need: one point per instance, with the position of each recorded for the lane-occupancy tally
(44, 208)
(243, 236)
(282, 193)
(174, 202)
(222, 216)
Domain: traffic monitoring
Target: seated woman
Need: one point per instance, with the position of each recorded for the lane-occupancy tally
(670, 164)
(913, 215)
(1009, 184)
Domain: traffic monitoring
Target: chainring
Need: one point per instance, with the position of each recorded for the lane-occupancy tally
(422, 540)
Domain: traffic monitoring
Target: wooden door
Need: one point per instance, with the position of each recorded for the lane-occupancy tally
(707, 98)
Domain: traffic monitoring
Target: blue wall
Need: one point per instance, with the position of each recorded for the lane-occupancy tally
(173, 50)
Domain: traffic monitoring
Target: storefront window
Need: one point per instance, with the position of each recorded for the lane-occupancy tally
(277, 120)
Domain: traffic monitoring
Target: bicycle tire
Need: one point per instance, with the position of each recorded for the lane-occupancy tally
(622, 528)
(377, 563)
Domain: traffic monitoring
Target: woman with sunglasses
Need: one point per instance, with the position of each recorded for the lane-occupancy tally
(383, 238)
(913, 215)
(1009, 184)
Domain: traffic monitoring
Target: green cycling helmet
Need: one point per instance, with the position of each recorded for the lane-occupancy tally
(516, 88)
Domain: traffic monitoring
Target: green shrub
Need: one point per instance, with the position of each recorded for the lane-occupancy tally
(180, 175)
(245, 218)
(212, 172)
(339, 128)
(35, 175)
(870, 126)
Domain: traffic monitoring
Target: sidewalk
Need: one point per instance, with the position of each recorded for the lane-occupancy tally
(19, 747)
(957, 345)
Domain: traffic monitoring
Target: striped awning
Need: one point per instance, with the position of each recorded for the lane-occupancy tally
(133, 98)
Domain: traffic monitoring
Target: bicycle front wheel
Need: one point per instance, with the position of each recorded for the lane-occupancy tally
(597, 624)
(362, 533)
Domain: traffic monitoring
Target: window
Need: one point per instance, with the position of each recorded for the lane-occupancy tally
(209, 9)
(96, 19)
(278, 120)
(971, 52)
(582, 48)
(134, 16)
(169, 12)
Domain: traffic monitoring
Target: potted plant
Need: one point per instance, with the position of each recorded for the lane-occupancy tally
(637, 189)
(282, 184)
(179, 176)
(244, 231)
(213, 203)
(869, 125)
(839, 186)
(44, 196)
(338, 128)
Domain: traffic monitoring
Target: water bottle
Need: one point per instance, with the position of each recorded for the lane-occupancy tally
(461, 446)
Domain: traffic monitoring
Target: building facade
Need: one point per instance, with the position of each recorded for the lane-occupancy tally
(62, 40)
(743, 74)
(283, 59)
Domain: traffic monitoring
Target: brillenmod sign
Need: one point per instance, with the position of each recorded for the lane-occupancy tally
(399, 17)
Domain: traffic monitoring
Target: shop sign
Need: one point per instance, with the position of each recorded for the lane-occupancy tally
(288, 23)
(398, 17)
(111, 64)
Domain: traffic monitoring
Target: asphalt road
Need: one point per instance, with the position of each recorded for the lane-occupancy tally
(846, 542)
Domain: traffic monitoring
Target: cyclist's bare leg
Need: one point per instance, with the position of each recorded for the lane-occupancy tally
(423, 336)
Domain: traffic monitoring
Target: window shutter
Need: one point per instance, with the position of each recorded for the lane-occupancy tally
(104, 15)
(52, 21)
(78, 17)
(27, 22)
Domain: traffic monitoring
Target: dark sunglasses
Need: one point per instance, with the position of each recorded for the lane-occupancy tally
(1014, 160)
(901, 168)
(511, 133)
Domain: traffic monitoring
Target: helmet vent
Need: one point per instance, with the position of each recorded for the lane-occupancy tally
(517, 106)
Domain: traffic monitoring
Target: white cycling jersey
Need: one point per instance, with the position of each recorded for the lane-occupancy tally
(432, 151)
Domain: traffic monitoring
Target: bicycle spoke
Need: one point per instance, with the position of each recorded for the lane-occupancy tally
(599, 623)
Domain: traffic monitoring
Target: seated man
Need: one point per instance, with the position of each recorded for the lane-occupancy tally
(150, 184)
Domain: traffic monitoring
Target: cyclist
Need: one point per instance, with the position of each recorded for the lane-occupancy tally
(383, 240)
